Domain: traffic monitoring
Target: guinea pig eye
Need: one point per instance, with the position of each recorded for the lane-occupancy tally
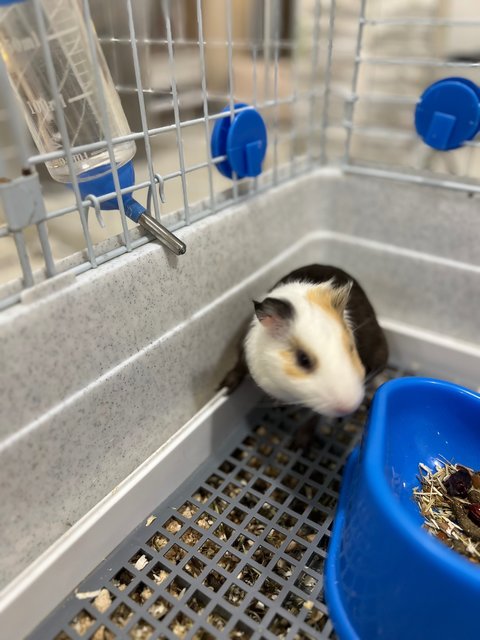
(303, 360)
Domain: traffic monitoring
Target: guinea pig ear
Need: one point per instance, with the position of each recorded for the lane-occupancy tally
(274, 314)
(340, 297)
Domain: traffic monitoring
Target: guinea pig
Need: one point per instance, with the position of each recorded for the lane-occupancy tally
(313, 341)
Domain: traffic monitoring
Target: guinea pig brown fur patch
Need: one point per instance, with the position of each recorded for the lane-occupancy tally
(290, 365)
(323, 297)
(349, 343)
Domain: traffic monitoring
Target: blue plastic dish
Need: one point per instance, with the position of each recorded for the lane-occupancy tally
(386, 577)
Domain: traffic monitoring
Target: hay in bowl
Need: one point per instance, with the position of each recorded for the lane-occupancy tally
(449, 500)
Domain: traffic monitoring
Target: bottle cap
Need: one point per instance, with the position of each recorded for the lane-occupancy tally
(448, 113)
(99, 181)
(243, 141)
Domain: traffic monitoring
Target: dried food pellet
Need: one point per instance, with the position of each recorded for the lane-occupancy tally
(459, 483)
(474, 513)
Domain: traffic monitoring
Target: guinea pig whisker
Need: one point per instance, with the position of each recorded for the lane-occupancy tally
(372, 375)
(269, 401)
(354, 329)
(279, 403)
(313, 402)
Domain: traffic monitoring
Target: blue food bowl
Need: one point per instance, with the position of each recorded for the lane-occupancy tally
(387, 577)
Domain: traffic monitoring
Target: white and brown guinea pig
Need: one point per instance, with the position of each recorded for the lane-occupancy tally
(314, 341)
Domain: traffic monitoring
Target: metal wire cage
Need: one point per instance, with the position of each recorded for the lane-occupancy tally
(336, 82)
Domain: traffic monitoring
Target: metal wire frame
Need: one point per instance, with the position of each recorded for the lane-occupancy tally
(369, 130)
(320, 92)
(146, 134)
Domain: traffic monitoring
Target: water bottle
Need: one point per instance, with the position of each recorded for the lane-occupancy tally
(75, 72)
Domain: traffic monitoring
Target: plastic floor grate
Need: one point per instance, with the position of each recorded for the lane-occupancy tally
(236, 552)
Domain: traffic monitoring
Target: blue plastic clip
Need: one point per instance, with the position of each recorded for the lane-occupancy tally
(448, 113)
(243, 141)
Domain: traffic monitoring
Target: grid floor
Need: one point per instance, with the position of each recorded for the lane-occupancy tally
(236, 552)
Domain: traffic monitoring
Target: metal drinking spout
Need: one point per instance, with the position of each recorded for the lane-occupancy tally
(162, 234)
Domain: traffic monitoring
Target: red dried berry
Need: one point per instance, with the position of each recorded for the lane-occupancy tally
(474, 513)
(459, 483)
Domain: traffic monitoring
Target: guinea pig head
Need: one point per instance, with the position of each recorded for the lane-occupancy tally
(301, 349)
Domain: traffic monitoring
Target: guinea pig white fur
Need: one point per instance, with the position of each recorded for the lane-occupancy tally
(300, 348)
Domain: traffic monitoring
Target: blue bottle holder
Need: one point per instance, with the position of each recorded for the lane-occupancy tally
(386, 577)
(99, 181)
(448, 113)
(243, 141)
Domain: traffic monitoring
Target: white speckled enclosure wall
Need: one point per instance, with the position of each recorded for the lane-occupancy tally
(109, 342)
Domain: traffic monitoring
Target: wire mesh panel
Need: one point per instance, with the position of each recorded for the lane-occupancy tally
(237, 552)
(402, 48)
(176, 66)
(335, 81)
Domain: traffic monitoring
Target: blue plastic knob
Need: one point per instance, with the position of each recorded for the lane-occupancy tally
(243, 141)
(448, 113)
